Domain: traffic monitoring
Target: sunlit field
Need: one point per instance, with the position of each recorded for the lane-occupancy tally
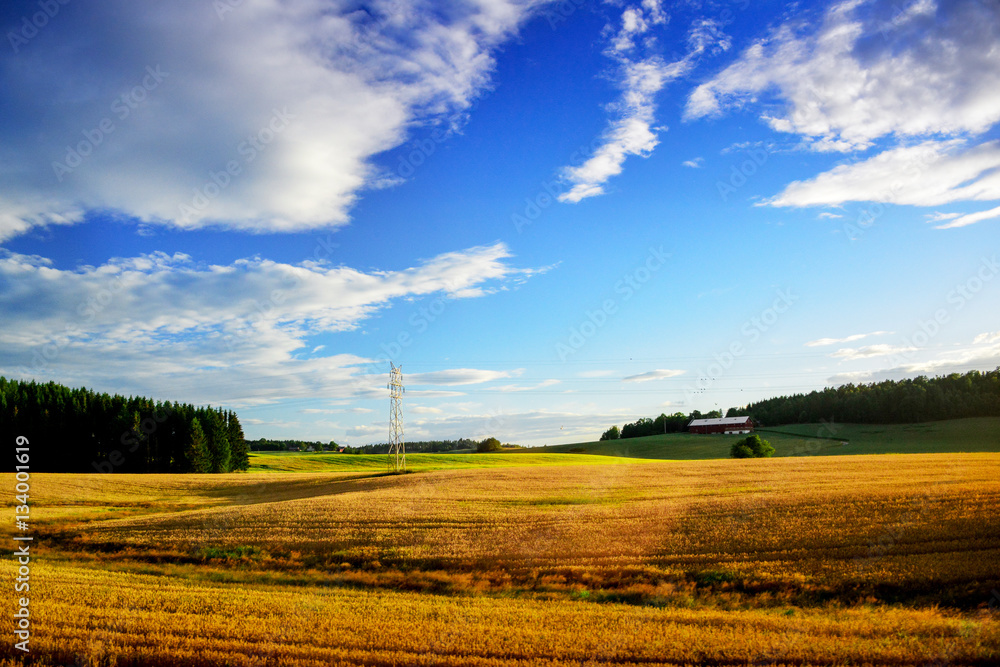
(975, 434)
(887, 560)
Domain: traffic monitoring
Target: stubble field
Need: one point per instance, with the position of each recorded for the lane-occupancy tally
(887, 560)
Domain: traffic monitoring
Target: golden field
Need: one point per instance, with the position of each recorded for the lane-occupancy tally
(888, 560)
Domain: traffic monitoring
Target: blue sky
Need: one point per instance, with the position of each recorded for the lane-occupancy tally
(554, 216)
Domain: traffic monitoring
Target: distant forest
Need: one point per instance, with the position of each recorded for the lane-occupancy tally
(79, 430)
(417, 446)
(974, 394)
(269, 445)
(420, 446)
(675, 423)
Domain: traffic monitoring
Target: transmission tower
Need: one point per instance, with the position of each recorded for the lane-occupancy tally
(397, 450)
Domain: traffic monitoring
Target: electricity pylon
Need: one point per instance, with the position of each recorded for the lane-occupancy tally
(397, 450)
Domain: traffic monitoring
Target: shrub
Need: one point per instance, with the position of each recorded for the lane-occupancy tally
(751, 447)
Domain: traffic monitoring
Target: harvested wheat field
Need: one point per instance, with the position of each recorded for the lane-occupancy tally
(882, 560)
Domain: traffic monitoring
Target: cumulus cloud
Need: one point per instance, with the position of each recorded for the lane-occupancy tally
(658, 374)
(266, 116)
(164, 325)
(865, 74)
(920, 81)
(819, 342)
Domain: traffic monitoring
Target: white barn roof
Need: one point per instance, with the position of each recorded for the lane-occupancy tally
(719, 421)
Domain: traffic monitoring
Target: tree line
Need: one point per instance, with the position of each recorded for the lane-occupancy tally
(80, 430)
(675, 423)
(973, 394)
(269, 445)
(422, 446)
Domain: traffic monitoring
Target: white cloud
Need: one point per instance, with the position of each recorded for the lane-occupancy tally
(165, 326)
(457, 376)
(873, 72)
(988, 337)
(847, 339)
(695, 163)
(533, 427)
(632, 132)
(938, 217)
(934, 69)
(981, 357)
(971, 218)
(658, 374)
(868, 351)
(928, 174)
(297, 97)
(826, 215)
(508, 388)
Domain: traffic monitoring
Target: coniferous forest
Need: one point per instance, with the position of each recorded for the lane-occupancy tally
(921, 399)
(80, 430)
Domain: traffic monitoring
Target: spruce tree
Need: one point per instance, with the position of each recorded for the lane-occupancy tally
(196, 452)
(240, 459)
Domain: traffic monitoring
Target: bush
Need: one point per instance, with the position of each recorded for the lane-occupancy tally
(611, 434)
(489, 445)
(751, 447)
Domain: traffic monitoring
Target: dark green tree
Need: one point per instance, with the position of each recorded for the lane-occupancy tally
(240, 452)
(196, 452)
(489, 445)
(217, 437)
(751, 447)
(611, 434)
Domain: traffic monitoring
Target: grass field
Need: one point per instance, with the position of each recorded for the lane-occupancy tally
(308, 462)
(881, 560)
(979, 434)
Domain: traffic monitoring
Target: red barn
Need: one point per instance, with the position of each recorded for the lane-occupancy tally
(721, 425)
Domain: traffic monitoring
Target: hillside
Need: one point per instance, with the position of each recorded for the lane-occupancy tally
(976, 434)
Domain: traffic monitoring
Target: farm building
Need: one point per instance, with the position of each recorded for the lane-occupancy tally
(721, 425)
